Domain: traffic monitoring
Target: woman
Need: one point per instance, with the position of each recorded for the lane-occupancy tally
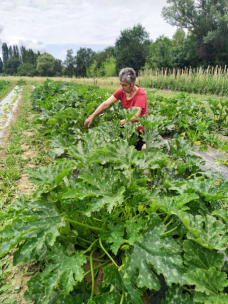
(130, 95)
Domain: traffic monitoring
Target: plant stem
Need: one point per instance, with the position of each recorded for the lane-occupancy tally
(81, 239)
(169, 231)
(166, 218)
(83, 225)
(169, 223)
(96, 259)
(107, 253)
(98, 267)
(66, 238)
(92, 273)
(122, 298)
(91, 246)
(94, 277)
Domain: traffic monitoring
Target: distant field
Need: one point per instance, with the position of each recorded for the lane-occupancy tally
(104, 83)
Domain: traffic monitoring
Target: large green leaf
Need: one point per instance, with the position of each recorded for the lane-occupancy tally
(114, 278)
(157, 251)
(113, 234)
(36, 293)
(175, 296)
(124, 156)
(108, 187)
(209, 189)
(38, 223)
(198, 257)
(62, 268)
(212, 233)
(85, 148)
(206, 231)
(209, 284)
(50, 175)
(58, 146)
(171, 205)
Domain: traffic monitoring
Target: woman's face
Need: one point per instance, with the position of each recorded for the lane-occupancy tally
(126, 87)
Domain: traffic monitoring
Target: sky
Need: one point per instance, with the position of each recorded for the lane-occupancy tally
(54, 26)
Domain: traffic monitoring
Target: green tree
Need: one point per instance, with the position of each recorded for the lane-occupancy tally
(5, 52)
(15, 51)
(100, 57)
(45, 65)
(184, 54)
(179, 37)
(93, 70)
(109, 67)
(69, 64)
(26, 69)
(160, 53)
(208, 21)
(84, 59)
(58, 67)
(11, 66)
(132, 48)
(10, 51)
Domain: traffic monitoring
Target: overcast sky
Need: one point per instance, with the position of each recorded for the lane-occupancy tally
(54, 26)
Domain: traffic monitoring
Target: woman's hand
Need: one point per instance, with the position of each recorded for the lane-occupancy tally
(88, 121)
(122, 122)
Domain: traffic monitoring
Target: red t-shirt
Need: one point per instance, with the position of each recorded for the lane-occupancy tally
(139, 100)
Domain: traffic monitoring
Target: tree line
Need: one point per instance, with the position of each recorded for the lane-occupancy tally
(201, 39)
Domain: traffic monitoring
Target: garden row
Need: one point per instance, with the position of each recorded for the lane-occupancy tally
(137, 215)
(209, 81)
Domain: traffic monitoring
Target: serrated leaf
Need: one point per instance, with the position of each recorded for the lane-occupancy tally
(85, 148)
(198, 257)
(221, 298)
(160, 251)
(103, 299)
(208, 284)
(64, 268)
(124, 156)
(115, 280)
(110, 201)
(175, 296)
(107, 187)
(50, 175)
(212, 233)
(36, 293)
(209, 189)
(172, 205)
(58, 146)
(39, 221)
(114, 235)
(223, 213)
(135, 230)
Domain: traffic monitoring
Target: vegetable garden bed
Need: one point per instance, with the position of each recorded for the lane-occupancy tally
(94, 203)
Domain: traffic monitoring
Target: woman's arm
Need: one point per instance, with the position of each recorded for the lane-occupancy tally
(99, 110)
(134, 118)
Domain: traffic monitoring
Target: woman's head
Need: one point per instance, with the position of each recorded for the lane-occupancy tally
(128, 75)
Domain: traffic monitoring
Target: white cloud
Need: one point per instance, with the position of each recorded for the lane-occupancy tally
(1, 28)
(70, 21)
(78, 22)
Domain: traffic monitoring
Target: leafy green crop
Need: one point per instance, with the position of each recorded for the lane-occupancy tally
(138, 215)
